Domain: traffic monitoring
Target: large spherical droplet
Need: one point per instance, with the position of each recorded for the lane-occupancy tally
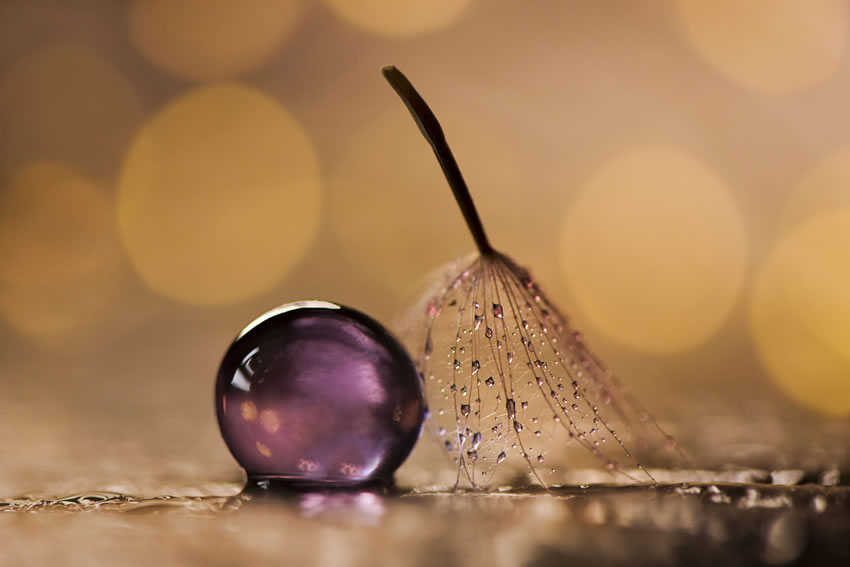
(313, 393)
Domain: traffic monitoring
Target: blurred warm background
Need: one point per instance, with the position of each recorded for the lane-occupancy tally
(675, 172)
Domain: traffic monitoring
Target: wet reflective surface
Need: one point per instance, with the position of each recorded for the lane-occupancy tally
(667, 524)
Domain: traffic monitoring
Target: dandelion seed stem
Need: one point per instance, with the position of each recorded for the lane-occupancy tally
(430, 128)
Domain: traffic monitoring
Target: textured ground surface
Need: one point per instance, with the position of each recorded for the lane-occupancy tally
(704, 524)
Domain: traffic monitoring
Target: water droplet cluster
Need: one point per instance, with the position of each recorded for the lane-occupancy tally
(511, 384)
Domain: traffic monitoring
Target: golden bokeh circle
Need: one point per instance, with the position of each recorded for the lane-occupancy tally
(67, 104)
(219, 196)
(825, 187)
(211, 39)
(771, 45)
(57, 241)
(399, 19)
(800, 313)
(392, 211)
(653, 249)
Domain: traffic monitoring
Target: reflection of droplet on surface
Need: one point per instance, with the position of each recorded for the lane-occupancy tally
(68, 104)
(800, 313)
(211, 39)
(826, 187)
(654, 250)
(785, 539)
(219, 196)
(58, 244)
(773, 45)
(399, 19)
(398, 233)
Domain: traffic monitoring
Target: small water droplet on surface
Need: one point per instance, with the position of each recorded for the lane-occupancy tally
(465, 409)
(497, 311)
(457, 364)
(476, 440)
(524, 405)
(488, 333)
(489, 381)
(476, 366)
(517, 426)
(539, 458)
(502, 456)
(478, 319)
(510, 357)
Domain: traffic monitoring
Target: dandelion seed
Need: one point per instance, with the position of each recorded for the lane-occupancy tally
(543, 354)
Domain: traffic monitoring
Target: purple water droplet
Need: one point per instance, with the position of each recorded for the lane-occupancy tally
(282, 374)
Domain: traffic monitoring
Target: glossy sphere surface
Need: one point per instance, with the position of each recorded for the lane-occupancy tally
(314, 393)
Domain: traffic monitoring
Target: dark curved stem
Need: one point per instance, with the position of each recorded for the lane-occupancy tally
(430, 128)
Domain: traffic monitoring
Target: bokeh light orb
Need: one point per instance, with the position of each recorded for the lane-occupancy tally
(58, 244)
(399, 19)
(654, 250)
(314, 393)
(800, 313)
(771, 45)
(211, 39)
(823, 188)
(219, 196)
(68, 104)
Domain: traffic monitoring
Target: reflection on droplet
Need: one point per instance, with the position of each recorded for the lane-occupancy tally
(826, 187)
(270, 421)
(264, 451)
(211, 39)
(399, 19)
(219, 196)
(653, 249)
(411, 223)
(800, 313)
(53, 99)
(249, 411)
(58, 245)
(774, 45)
